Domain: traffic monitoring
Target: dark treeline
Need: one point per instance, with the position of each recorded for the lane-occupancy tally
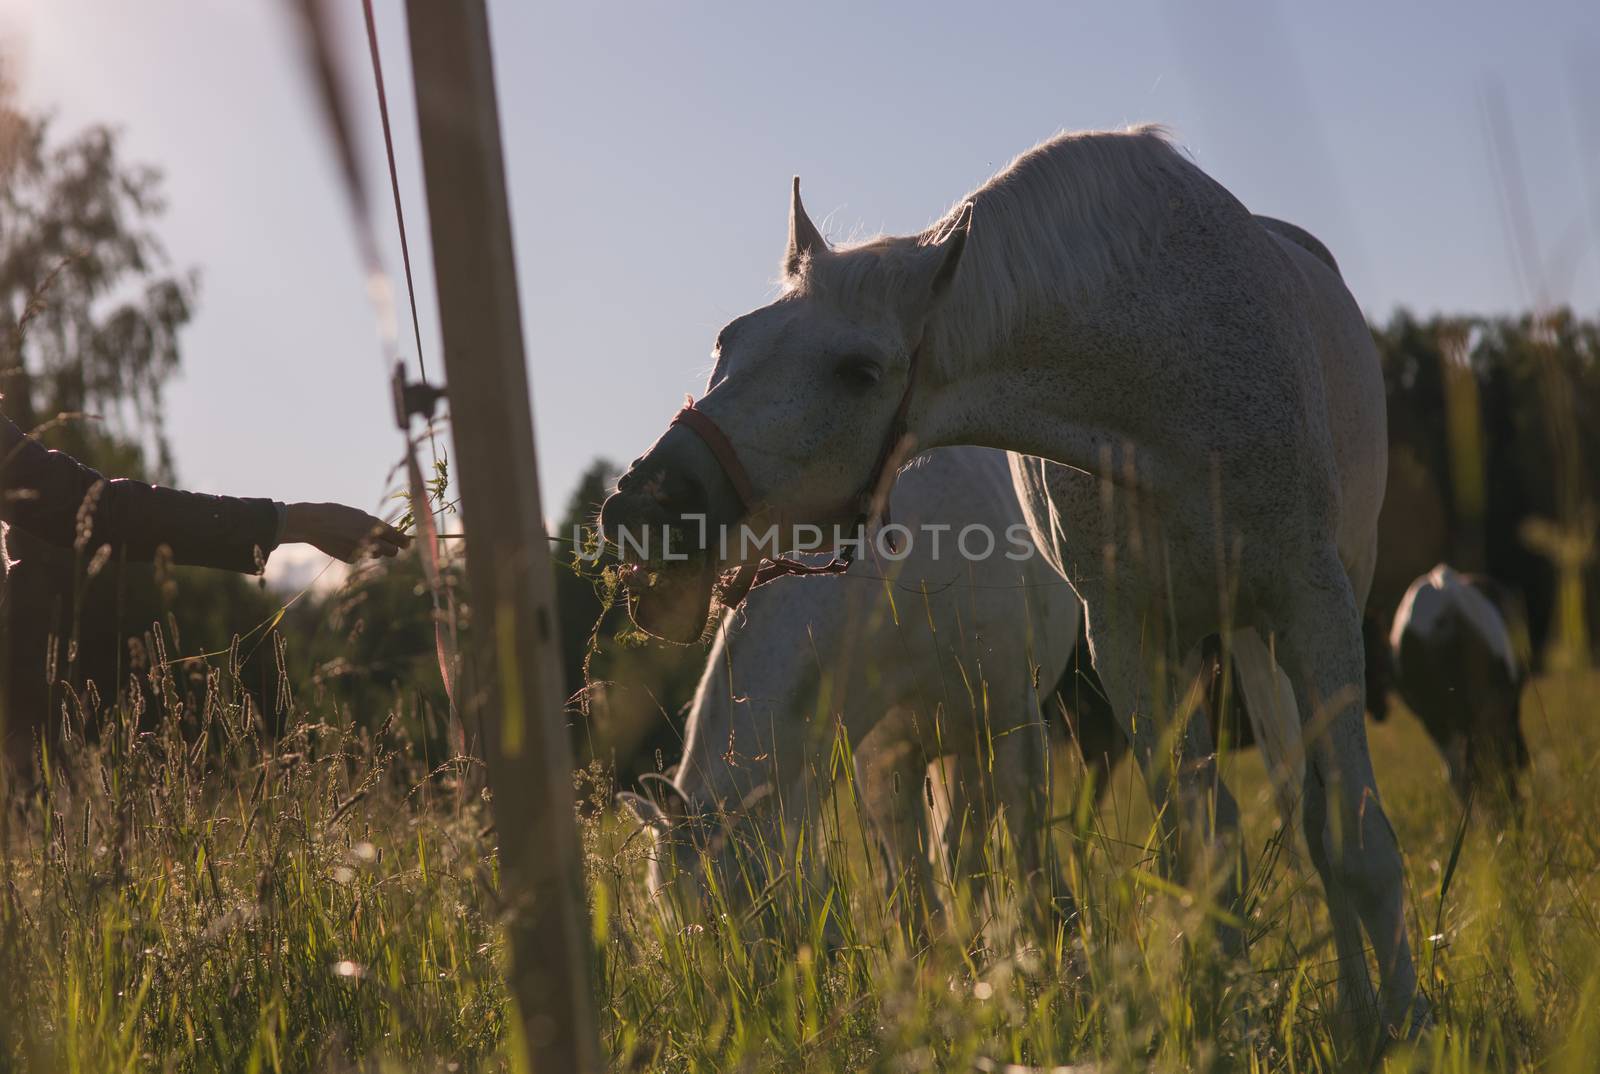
(1493, 453)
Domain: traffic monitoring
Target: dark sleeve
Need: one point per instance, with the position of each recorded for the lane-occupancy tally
(64, 503)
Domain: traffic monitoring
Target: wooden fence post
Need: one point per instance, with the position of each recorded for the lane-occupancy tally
(514, 681)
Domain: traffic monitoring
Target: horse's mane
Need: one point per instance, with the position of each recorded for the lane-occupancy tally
(1058, 221)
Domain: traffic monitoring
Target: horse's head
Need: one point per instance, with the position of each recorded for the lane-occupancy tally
(703, 859)
(677, 839)
(796, 422)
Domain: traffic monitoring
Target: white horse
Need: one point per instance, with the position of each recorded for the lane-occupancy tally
(932, 659)
(1215, 397)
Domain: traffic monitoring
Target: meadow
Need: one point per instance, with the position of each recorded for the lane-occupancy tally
(182, 891)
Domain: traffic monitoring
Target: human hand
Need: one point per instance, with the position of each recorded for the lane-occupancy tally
(342, 532)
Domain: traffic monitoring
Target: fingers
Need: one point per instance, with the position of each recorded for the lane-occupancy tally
(346, 533)
(384, 541)
(378, 541)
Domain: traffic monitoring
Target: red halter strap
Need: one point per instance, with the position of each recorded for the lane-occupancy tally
(870, 500)
(721, 447)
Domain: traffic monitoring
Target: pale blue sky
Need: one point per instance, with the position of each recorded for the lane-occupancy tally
(650, 145)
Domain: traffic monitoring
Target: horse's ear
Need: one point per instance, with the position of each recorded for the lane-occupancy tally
(804, 238)
(950, 241)
(645, 811)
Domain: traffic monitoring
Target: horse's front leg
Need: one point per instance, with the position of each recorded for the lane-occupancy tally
(1022, 781)
(891, 774)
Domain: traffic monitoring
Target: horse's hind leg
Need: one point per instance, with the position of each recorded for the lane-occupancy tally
(1350, 839)
(1209, 807)
(1275, 715)
(1198, 815)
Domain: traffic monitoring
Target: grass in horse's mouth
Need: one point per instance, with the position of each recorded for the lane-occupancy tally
(637, 575)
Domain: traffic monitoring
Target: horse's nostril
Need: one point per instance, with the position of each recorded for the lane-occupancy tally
(674, 491)
(648, 500)
(630, 478)
(681, 495)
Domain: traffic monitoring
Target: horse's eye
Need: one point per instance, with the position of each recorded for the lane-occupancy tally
(858, 372)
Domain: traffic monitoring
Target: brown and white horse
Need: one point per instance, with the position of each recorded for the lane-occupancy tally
(1458, 667)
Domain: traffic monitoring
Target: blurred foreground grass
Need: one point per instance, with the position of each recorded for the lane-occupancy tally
(196, 896)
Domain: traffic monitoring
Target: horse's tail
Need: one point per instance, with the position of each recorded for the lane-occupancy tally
(1301, 238)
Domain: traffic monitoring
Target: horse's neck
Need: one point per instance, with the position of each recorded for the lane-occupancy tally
(1041, 412)
(762, 657)
(704, 774)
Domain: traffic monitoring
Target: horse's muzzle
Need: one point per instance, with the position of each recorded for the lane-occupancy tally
(666, 520)
(677, 485)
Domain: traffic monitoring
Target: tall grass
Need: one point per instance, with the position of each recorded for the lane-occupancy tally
(183, 892)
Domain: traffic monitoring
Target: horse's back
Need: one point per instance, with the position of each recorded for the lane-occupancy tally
(1353, 392)
(1301, 238)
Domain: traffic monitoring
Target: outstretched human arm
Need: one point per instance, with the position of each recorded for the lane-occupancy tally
(62, 502)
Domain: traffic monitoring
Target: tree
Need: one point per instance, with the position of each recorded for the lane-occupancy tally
(89, 310)
(578, 604)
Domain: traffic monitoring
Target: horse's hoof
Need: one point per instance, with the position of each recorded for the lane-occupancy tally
(1410, 1022)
